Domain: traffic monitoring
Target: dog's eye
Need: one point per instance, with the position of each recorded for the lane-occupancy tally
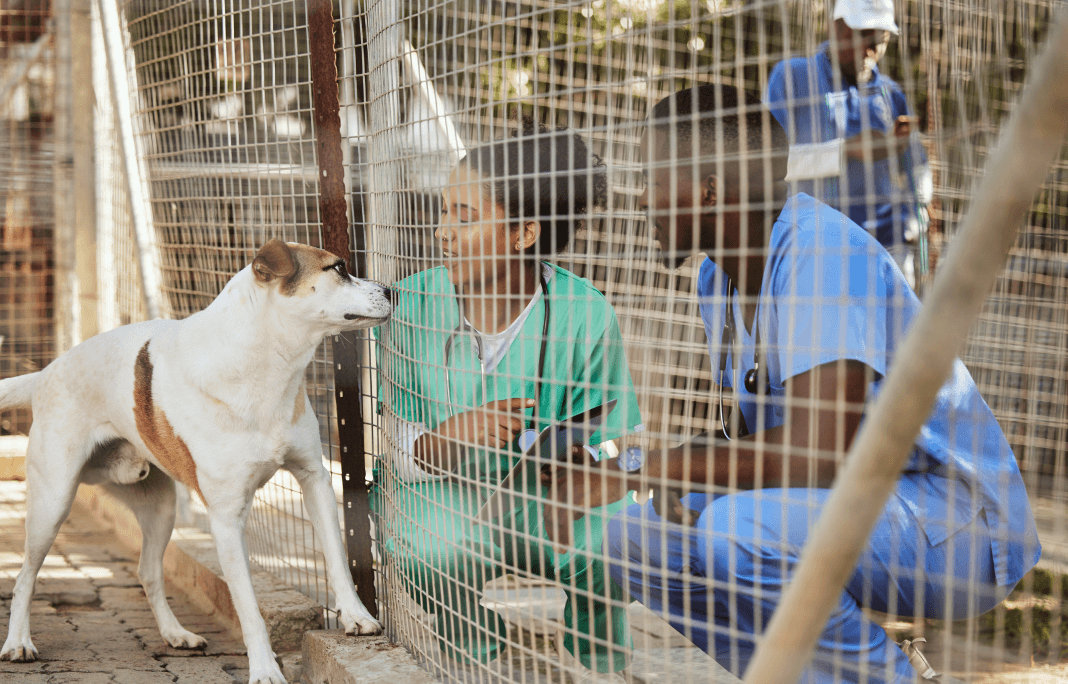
(341, 270)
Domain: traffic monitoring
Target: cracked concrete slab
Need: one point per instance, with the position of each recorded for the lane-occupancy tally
(198, 671)
(330, 657)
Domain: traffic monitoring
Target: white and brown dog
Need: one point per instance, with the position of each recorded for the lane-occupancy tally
(216, 401)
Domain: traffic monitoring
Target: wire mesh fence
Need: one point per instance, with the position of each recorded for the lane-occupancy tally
(27, 337)
(568, 268)
(597, 68)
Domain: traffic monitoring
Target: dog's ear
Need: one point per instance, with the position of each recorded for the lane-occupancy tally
(275, 260)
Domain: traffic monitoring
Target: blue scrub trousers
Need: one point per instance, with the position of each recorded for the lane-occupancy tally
(719, 581)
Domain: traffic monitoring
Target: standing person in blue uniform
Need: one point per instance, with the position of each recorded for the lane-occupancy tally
(804, 311)
(850, 131)
(496, 340)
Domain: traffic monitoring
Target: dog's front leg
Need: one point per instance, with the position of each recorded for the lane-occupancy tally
(322, 507)
(228, 529)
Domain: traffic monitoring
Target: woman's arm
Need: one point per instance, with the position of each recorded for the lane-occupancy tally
(493, 425)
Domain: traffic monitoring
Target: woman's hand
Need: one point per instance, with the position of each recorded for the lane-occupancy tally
(493, 425)
(575, 488)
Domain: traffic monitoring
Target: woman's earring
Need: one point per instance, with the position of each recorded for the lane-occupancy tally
(518, 247)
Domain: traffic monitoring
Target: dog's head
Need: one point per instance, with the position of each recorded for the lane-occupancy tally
(316, 286)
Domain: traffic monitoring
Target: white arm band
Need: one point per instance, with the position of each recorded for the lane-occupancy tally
(818, 160)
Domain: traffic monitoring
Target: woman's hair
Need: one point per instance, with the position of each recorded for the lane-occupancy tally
(537, 173)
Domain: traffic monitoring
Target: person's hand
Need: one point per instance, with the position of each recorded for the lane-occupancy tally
(881, 145)
(667, 502)
(575, 488)
(493, 425)
(903, 126)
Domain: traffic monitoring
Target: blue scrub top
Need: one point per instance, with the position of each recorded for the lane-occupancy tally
(803, 88)
(831, 292)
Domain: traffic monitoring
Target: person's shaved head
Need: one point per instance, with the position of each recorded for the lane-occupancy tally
(720, 122)
(709, 152)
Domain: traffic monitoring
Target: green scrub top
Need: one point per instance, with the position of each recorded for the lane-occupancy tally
(428, 527)
(584, 366)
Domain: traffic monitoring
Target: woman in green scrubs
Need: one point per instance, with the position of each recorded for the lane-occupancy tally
(493, 342)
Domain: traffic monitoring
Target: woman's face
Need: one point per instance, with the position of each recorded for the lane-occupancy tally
(476, 239)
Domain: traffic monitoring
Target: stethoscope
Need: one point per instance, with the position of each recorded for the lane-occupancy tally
(751, 381)
(464, 328)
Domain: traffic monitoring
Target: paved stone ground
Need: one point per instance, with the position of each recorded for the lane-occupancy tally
(90, 620)
(92, 625)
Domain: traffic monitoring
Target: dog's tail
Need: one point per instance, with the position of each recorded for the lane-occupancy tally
(18, 392)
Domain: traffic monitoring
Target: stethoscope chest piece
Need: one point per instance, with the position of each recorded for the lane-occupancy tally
(749, 382)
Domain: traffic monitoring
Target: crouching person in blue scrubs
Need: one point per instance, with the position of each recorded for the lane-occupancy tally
(804, 311)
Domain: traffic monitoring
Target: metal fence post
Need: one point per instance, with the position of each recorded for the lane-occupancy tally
(83, 195)
(334, 217)
(65, 281)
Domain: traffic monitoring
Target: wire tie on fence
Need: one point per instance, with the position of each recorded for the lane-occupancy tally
(918, 660)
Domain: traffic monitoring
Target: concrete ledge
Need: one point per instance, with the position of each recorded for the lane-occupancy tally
(192, 564)
(330, 657)
(13, 457)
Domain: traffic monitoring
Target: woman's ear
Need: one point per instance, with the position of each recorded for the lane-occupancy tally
(527, 235)
(709, 191)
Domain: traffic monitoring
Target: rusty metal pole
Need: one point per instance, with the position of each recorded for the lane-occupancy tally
(334, 216)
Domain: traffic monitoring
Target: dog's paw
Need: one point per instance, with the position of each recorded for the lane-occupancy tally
(267, 673)
(359, 623)
(184, 639)
(19, 653)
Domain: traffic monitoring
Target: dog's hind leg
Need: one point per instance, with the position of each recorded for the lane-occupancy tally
(152, 501)
(51, 482)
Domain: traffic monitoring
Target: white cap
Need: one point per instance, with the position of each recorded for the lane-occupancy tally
(867, 14)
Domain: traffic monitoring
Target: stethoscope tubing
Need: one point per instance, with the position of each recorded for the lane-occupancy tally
(462, 326)
(751, 381)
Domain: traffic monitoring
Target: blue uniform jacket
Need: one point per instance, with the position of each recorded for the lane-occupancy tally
(802, 96)
(831, 292)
